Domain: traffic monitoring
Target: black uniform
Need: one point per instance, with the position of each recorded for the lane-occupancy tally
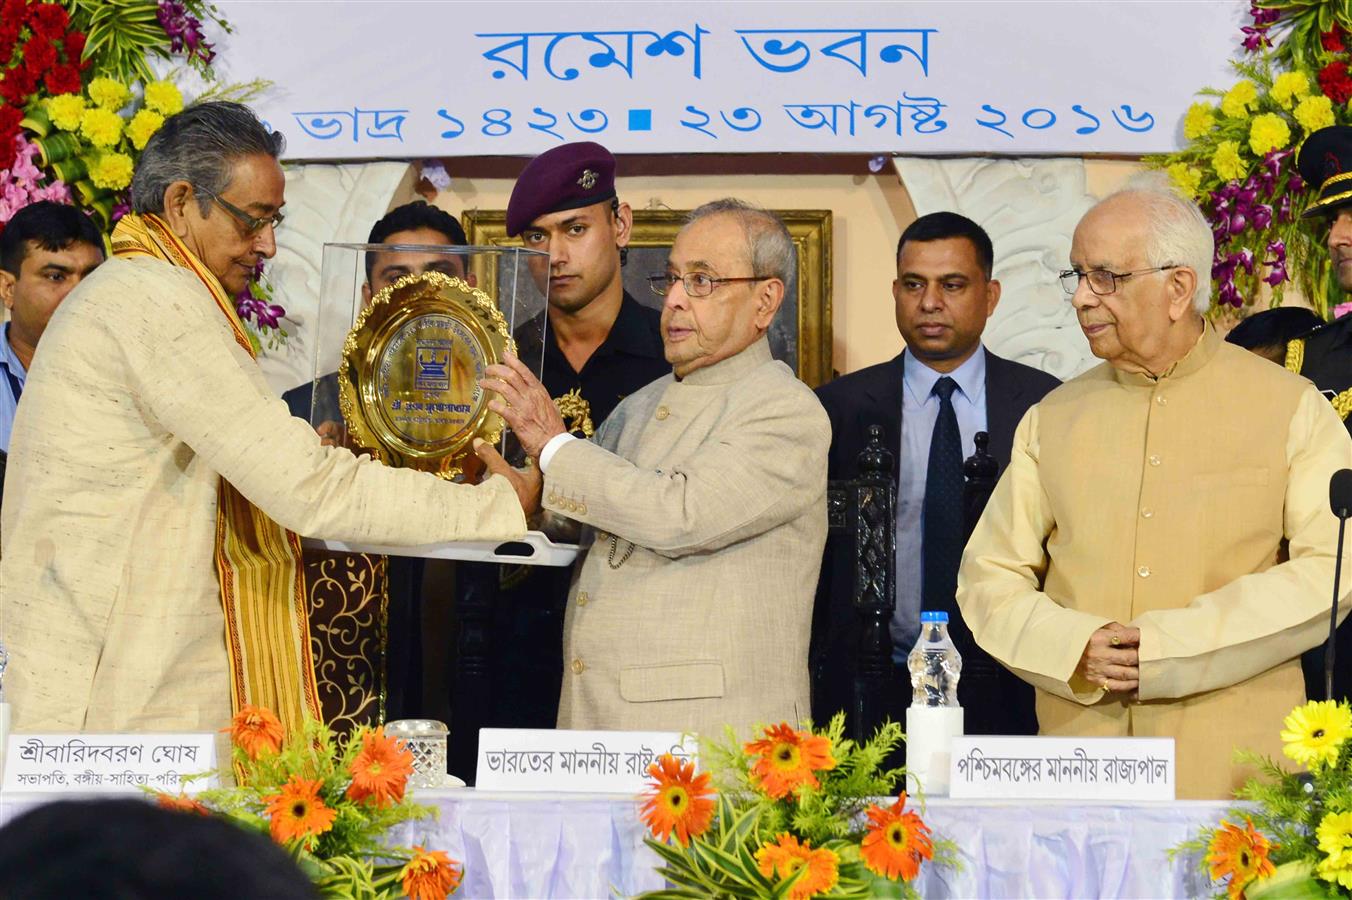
(1325, 357)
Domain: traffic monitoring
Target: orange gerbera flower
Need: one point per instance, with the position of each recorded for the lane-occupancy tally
(1241, 853)
(787, 857)
(381, 768)
(181, 803)
(678, 801)
(256, 730)
(788, 759)
(896, 841)
(298, 811)
(430, 875)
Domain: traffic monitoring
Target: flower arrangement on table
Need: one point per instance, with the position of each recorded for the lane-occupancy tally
(329, 802)
(1295, 77)
(79, 99)
(1295, 837)
(788, 815)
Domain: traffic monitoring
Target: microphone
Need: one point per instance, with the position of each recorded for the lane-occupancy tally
(1340, 501)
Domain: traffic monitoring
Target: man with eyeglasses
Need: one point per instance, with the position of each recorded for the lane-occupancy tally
(704, 501)
(150, 576)
(930, 402)
(1160, 550)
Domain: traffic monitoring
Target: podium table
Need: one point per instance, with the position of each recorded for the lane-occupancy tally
(591, 845)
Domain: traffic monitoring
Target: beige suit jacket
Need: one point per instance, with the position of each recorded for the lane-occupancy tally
(1194, 507)
(138, 402)
(714, 488)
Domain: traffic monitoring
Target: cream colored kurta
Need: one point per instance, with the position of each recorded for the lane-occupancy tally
(719, 480)
(138, 402)
(1171, 506)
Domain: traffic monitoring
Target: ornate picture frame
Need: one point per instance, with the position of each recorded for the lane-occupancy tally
(801, 335)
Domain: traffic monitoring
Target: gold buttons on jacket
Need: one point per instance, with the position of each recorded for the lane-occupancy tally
(1162, 400)
(1155, 460)
(582, 598)
(578, 666)
(1147, 513)
(662, 413)
(1143, 571)
(582, 508)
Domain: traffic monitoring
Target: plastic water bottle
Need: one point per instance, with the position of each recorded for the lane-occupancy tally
(935, 663)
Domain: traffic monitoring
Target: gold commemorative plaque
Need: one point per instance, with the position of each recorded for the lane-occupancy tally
(408, 383)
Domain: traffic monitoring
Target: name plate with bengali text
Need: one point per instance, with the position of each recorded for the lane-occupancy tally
(1062, 768)
(610, 762)
(109, 763)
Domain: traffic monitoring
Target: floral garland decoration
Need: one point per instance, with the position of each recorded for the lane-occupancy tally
(1295, 77)
(79, 101)
(1295, 837)
(329, 803)
(787, 815)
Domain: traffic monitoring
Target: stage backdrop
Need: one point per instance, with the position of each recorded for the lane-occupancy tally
(396, 79)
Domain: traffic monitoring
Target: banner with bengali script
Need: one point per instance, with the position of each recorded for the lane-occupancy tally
(401, 79)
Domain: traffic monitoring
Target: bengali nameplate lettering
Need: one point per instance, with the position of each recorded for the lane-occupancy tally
(531, 759)
(109, 763)
(1062, 768)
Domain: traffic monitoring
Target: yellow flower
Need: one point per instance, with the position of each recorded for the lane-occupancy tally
(1186, 178)
(1236, 102)
(112, 172)
(142, 126)
(1226, 161)
(163, 97)
(65, 110)
(1335, 840)
(101, 127)
(1288, 87)
(108, 94)
(1268, 132)
(1315, 733)
(1200, 119)
(1314, 113)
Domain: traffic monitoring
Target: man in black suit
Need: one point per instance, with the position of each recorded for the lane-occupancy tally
(930, 401)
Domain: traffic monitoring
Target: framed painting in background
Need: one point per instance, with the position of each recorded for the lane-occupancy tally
(801, 333)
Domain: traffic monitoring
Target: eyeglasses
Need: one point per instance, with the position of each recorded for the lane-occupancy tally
(252, 224)
(1101, 281)
(696, 284)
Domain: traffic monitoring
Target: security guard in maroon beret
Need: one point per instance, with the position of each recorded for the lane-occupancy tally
(1324, 355)
(600, 345)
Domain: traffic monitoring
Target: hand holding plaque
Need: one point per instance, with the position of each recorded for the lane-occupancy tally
(408, 383)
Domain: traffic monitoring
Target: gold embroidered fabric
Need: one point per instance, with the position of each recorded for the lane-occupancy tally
(348, 600)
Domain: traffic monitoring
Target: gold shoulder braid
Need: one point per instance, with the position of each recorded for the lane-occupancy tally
(1295, 355)
(1342, 404)
(576, 412)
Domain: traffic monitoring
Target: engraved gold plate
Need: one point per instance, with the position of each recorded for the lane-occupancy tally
(408, 383)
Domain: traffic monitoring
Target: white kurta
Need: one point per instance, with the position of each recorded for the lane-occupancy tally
(139, 401)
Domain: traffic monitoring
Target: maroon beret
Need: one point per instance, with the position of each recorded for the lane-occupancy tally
(566, 177)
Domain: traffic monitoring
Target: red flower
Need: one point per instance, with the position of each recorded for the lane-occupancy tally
(39, 54)
(1335, 82)
(10, 117)
(17, 85)
(48, 20)
(74, 42)
(63, 80)
(1332, 40)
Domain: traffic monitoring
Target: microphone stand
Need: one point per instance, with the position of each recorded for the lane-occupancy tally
(1333, 614)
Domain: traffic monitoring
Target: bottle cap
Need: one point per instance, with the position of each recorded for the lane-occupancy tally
(934, 616)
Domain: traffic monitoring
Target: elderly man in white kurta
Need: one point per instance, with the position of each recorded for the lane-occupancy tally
(705, 493)
(1160, 550)
(150, 458)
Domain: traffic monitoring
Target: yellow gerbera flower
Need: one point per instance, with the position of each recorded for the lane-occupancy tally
(163, 97)
(1268, 132)
(143, 126)
(1201, 118)
(1237, 101)
(1315, 732)
(1227, 162)
(108, 94)
(1288, 87)
(1314, 113)
(65, 111)
(101, 127)
(1335, 840)
(112, 172)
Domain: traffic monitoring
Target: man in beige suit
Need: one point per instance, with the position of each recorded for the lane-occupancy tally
(705, 493)
(150, 574)
(1160, 550)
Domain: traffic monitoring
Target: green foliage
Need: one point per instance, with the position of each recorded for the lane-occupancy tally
(123, 35)
(1296, 35)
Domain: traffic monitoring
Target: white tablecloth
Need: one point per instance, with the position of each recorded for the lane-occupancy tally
(576, 845)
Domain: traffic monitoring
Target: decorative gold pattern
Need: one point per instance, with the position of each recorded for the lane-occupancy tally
(375, 361)
(348, 596)
(576, 412)
(1295, 355)
(1342, 404)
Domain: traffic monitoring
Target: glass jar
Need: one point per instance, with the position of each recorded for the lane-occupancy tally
(426, 740)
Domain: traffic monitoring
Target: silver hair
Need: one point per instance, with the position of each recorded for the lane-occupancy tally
(769, 245)
(200, 146)
(1178, 234)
